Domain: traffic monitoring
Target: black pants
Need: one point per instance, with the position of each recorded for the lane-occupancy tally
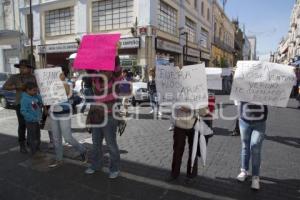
(179, 137)
(34, 136)
(22, 126)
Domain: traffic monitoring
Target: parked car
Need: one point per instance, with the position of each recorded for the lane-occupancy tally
(140, 93)
(7, 98)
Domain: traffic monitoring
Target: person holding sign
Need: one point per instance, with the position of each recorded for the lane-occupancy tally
(252, 127)
(185, 120)
(101, 118)
(17, 82)
(153, 93)
(61, 127)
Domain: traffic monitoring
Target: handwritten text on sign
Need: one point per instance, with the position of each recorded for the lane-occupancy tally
(263, 82)
(51, 87)
(186, 86)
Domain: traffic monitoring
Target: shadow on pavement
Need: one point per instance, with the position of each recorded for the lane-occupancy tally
(289, 141)
(70, 182)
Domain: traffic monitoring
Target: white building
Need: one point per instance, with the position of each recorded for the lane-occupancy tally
(246, 48)
(288, 50)
(150, 29)
(10, 36)
(252, 40)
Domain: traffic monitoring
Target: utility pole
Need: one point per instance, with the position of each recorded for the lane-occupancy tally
(186, 47)
(31, 33)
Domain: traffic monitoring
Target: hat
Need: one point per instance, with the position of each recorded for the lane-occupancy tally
(23, 62)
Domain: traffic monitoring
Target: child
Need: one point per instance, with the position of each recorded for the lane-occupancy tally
(31, 109)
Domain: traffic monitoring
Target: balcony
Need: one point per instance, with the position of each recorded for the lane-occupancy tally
(222, 45)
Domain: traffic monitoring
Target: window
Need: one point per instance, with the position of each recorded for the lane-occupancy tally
(167, 18)
(202, 8)
(196, 4)
(204, 38)
(208, 14)
(191, 29)
(59, 22)
(112, 14)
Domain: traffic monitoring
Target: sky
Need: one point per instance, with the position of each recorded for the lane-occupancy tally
(269, 20)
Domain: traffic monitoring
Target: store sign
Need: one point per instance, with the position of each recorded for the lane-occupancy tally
(168, 46)
(192, 59)
(14, 60)
(58, 48)
(130, 43)
(205, 56)
(193, 52)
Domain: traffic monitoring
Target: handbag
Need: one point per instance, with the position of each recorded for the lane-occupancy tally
(95, 115)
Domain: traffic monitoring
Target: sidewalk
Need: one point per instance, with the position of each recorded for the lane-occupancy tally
(146, 153)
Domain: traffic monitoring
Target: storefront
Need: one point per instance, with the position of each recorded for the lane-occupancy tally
(56, 54)
(205, 57)
(128, 52)
(192, 56)
(168, 52)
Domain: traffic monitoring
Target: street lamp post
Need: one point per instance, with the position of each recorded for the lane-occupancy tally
(186, 46)
(31, 34)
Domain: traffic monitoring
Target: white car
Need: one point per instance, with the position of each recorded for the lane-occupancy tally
(139, 93)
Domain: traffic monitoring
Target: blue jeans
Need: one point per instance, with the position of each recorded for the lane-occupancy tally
(61, 127)
(109, 133)
(252, 136)
(88, 93)
(154, 104)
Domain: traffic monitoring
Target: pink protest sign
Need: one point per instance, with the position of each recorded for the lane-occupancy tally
(97, 52)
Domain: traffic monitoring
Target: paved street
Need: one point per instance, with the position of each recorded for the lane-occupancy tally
(146, 153)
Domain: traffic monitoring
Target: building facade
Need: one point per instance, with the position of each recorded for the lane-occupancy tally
(223, 38)
(177, 31)
(10, 35)
(288, 50)
(253, 45)
(246, 48)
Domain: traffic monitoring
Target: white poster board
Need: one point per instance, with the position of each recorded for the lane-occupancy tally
(184, 86)
(263, 83)
(51, 87)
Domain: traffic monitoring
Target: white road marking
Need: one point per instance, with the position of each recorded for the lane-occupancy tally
(153, 182)
(8, 118)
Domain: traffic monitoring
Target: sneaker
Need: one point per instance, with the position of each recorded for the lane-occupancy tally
(171, 128)
(160, 114)
(23, 149)
(84, 157)
(255, 183)
(113, 175)
(151, 112)
(89, 171)
(55, 163)
(242, 176)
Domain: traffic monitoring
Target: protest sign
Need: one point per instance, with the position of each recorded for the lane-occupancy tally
(97, 52)
(51, 87)
(187, 85)
(263, 83)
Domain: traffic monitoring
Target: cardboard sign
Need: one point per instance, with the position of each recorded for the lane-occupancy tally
(186, 86)
(97, 52)
(263, 83)
(51, 87)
